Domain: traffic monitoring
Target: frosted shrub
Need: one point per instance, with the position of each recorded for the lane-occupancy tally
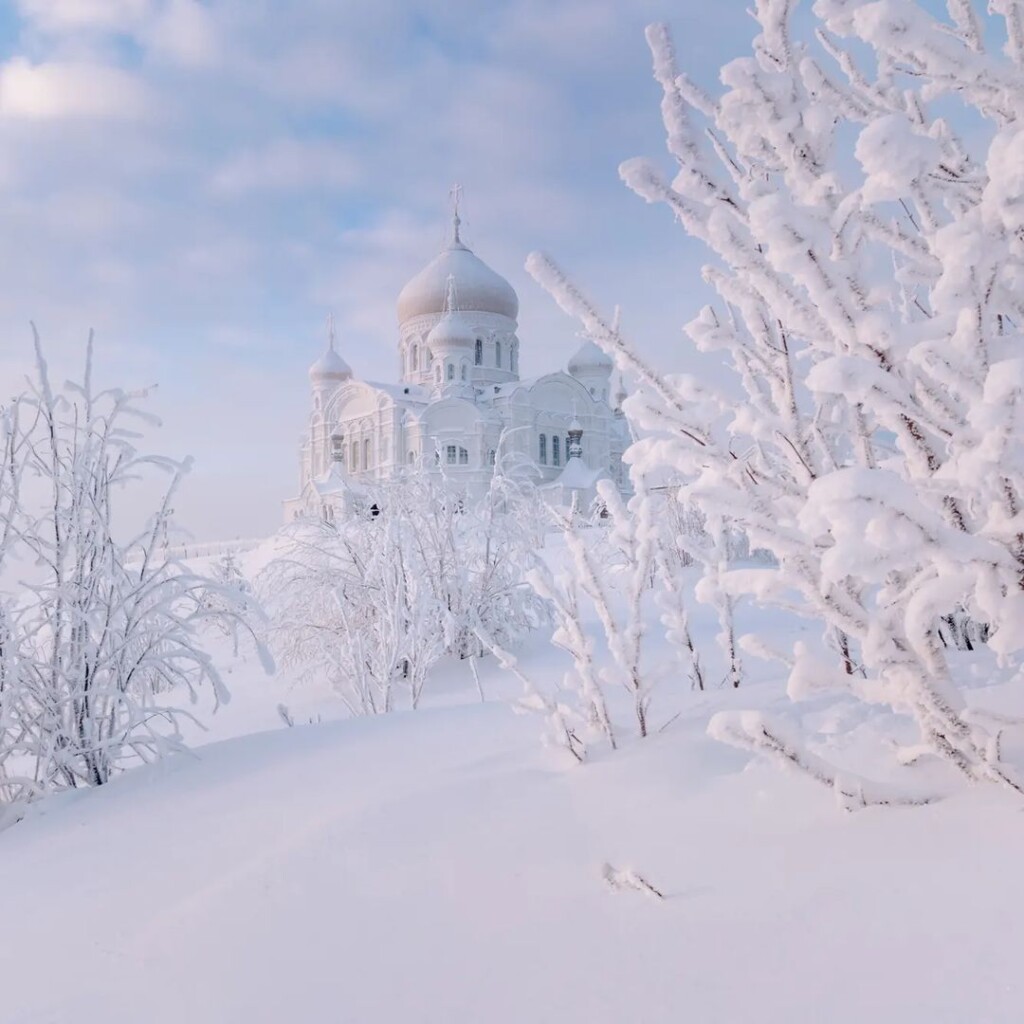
(102, 646)
(371, 602)
(867, 253)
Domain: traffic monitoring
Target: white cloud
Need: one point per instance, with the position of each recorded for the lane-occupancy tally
(184, 32)
(68, 90)
(61, 16)
(289, 165)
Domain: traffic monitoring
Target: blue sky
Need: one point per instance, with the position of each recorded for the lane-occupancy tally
(203, 182)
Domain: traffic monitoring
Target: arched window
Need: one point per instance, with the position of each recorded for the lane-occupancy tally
(355, 456)
(556, 455)
(412, 458)
(491, 456)
(450, 454)
(463, 457)
(497, 354)
(465, 371)
(543, 449)
(414, 360)
(338, 448)
(451, 371)
(437, 373)
(479, 351)
(366, 454)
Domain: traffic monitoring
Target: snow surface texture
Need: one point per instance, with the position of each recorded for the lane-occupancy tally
(443, 866)
(435, 867)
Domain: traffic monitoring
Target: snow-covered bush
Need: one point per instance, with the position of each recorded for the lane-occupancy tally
(372, 601)
(100, 644)
(861, 193)
(618, 565)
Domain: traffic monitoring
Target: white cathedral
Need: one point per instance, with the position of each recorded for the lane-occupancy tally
(460, 407)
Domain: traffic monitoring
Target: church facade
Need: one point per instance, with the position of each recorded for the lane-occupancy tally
(460, 406)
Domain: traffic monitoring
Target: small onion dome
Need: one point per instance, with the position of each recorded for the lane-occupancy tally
(590, 358)
(477, 288)
(330, 366)
(451, 331)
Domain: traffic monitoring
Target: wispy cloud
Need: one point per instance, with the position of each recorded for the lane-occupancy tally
(55, 90)
(202, 180)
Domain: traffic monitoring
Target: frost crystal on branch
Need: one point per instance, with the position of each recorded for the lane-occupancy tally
(861, 195)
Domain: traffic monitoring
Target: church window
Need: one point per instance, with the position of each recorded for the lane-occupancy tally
(556, 455)
(355, 456)
(543, 449)
(479, 351)
(451, 371)
(491, 456)
(497, 354)
(465, 371)
(366, 454)
(414, 362)
(515, 357)
(463, 457)
(451, 454)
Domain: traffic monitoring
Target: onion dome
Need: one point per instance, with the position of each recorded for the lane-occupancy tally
(330, 366)
(451, 331)
(589, 359)
(478, 288)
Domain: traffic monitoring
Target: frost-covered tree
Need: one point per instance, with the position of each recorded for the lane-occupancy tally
(13, 787)
(102, 644)
(616, 566)
(861, 195)
(371, 600)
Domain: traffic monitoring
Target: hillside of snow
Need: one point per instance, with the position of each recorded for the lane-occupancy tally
(444, 866)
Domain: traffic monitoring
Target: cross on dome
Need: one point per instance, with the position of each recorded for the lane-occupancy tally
(330, 366)
(456, 196)
(478, 288)
(450, 304)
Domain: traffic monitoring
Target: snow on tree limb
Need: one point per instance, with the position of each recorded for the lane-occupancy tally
(870, 264)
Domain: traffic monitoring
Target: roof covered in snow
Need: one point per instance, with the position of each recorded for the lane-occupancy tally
(576, 476)
(330, 366)
(477, 287)
(333, 481)
(590, 357)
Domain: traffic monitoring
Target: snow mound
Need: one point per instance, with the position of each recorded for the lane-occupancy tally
(441, 867)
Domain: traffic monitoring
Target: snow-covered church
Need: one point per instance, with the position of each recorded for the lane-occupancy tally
(460, 406)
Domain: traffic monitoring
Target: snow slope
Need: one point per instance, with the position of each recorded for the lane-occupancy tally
(441, 866)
